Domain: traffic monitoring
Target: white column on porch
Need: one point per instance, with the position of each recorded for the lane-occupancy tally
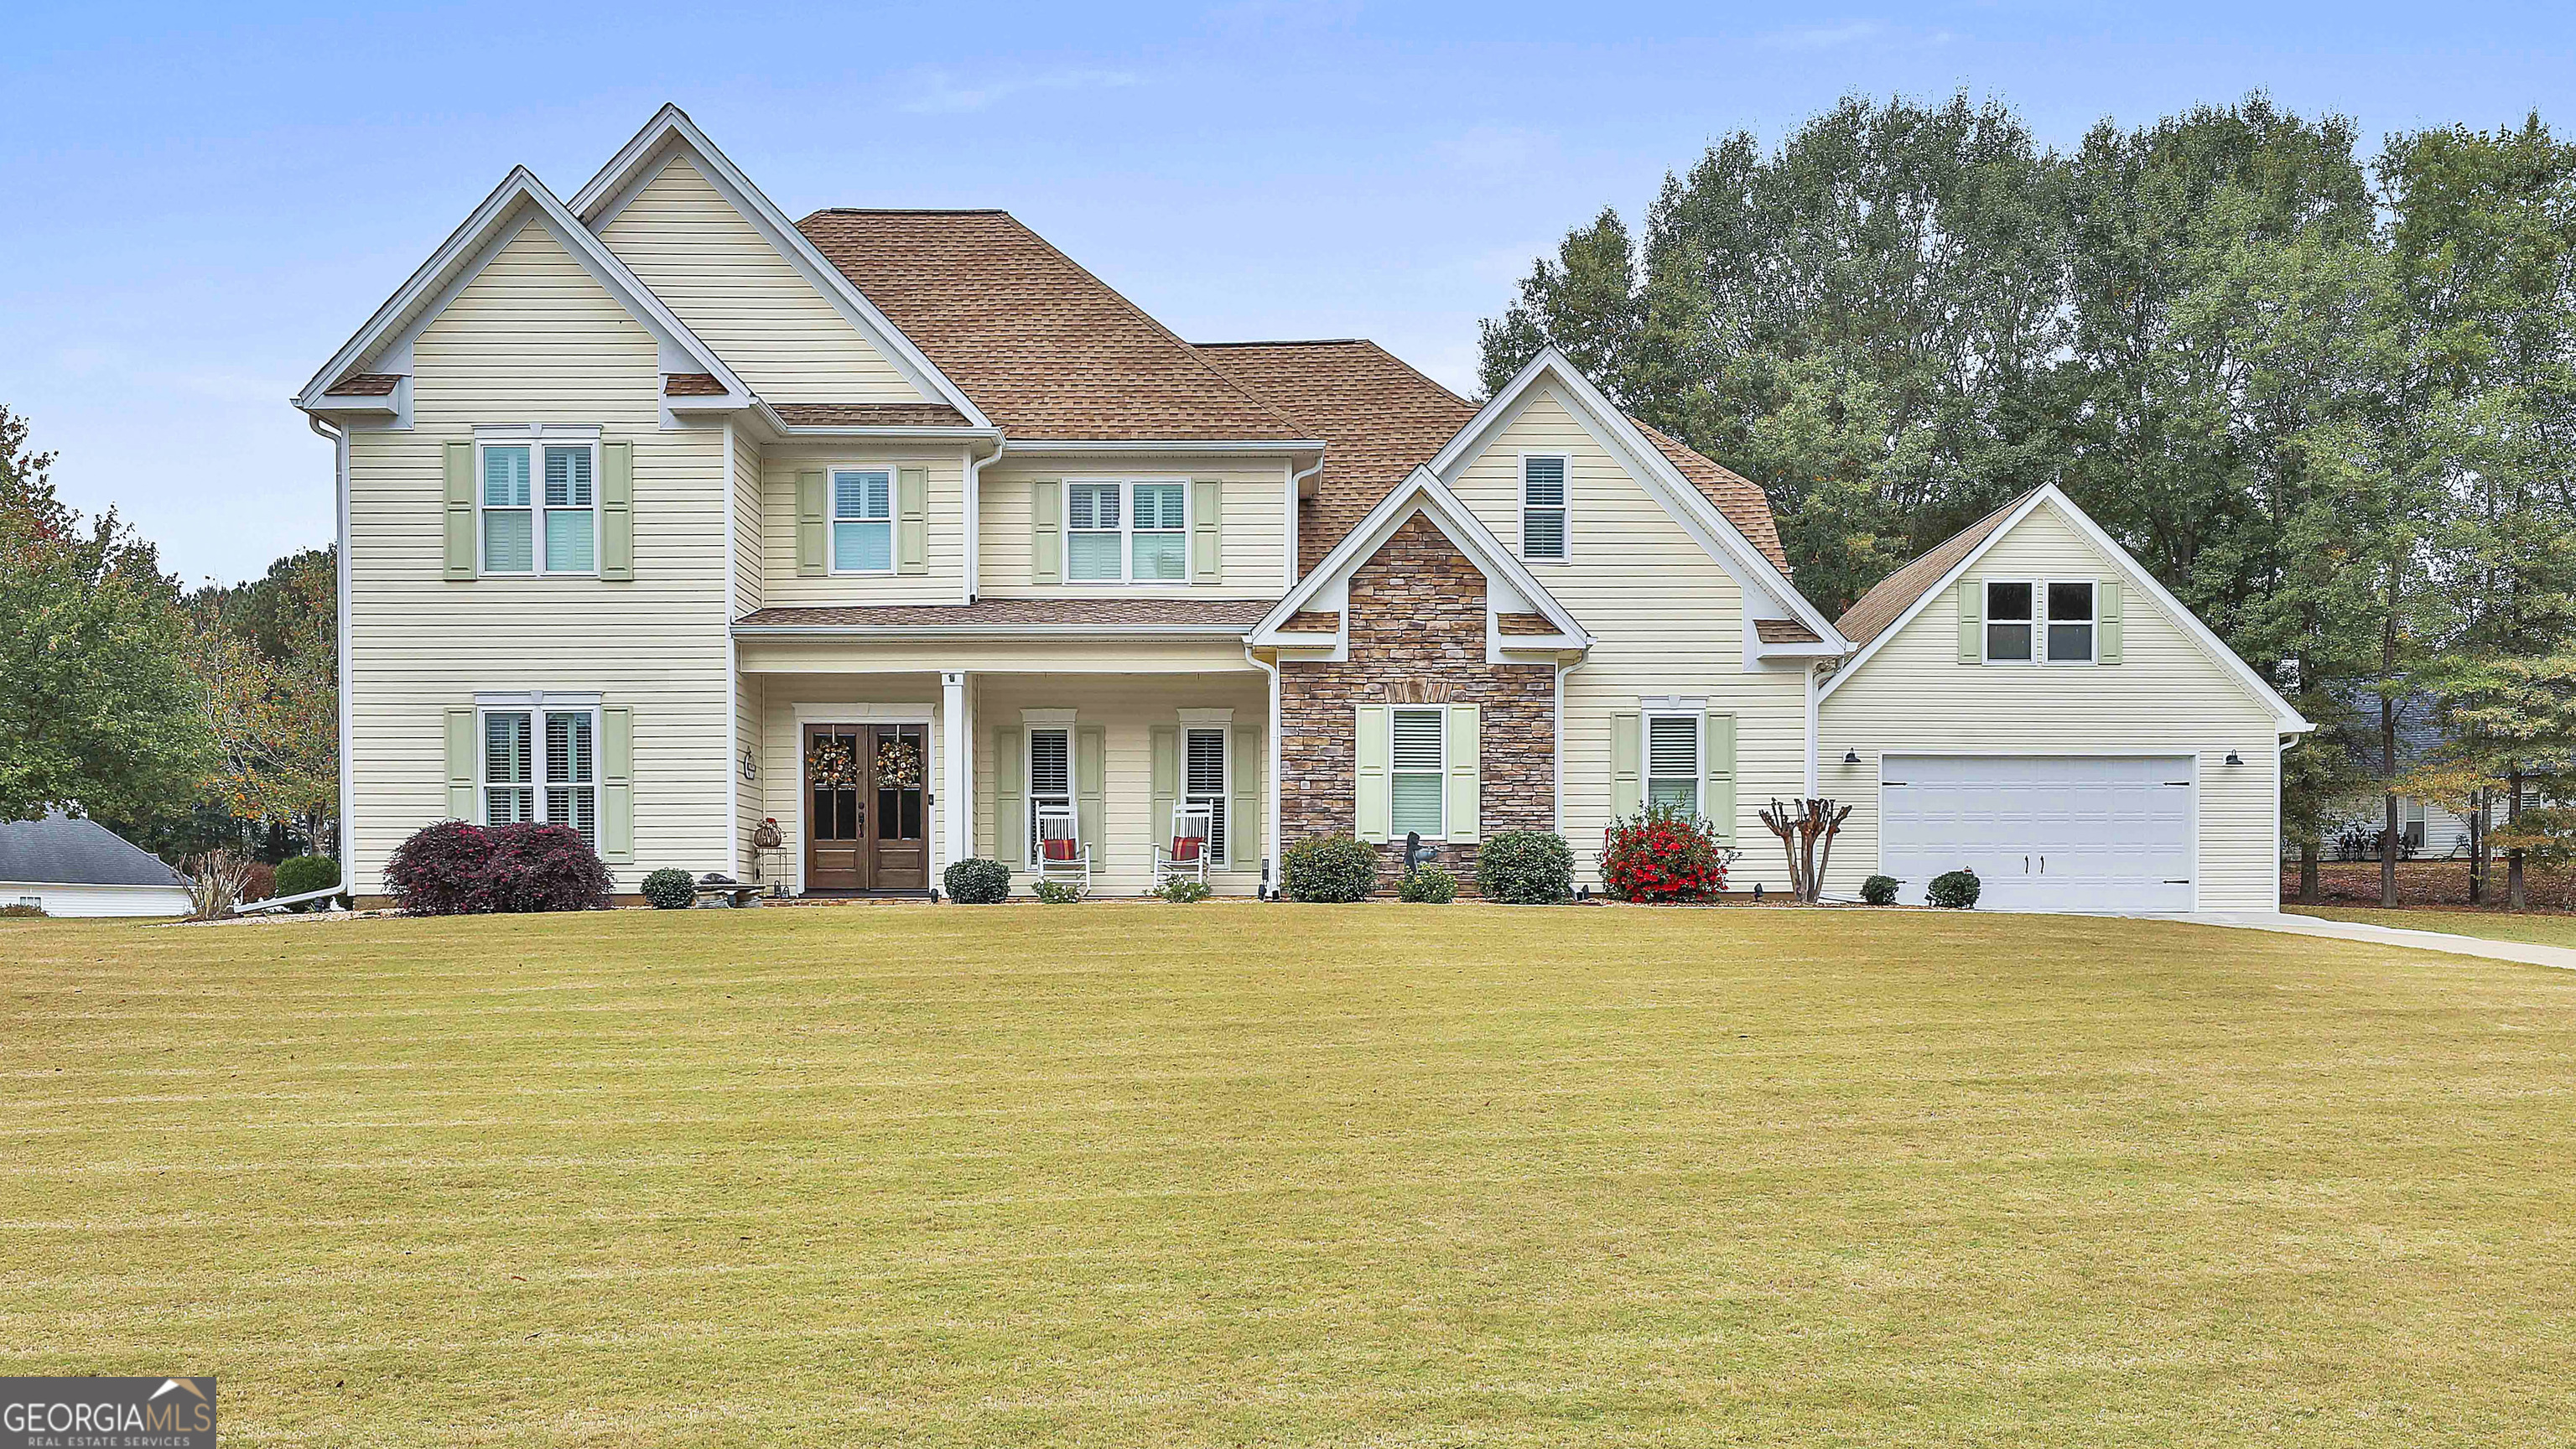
(956, 785)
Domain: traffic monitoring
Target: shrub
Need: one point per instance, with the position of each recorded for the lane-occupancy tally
(22, 910)
(1329, 868)
(544, 868)
(1662, 853)
(1955, 890)
(259, 882)
(1183, 891)
(1878, 890)
(1059, 892)
(670, 890)
(1427, 885)
(977, 882)
(438, 871)
(1525, 868)
(300, 873)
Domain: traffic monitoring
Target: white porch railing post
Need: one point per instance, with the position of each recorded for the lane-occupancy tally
(956, 770)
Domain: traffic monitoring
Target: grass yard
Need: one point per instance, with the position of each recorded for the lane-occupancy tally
(2537, 928)
(1232, 1174)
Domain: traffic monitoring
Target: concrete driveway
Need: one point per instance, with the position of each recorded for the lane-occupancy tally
(2443, 941)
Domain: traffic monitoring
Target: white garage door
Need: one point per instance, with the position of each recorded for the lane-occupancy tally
(2042, 832)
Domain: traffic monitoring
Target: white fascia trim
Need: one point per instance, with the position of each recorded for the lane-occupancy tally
(471, 246)
(1708, 526)
(1423, 493)
(1166, 445)
(2289, 718)
(984, 631)
(642, 158)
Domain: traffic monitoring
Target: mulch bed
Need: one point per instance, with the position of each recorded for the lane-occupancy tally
(2442, 883)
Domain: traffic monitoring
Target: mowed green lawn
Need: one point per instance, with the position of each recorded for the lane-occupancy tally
(2538, 928)
(1235, 1174)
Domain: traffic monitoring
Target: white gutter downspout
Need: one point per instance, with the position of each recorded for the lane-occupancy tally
(974, 521)
(348, 790)
(1811, 730)
(1270, 795)
(1295, 477)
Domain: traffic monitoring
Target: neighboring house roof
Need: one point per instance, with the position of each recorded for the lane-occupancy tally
(1046, 349)
(1887, 602)
(1234, 615)
(60, 850)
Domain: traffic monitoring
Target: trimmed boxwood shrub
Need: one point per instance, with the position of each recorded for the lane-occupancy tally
(456, 869)
(1059, 892)
(300, 873)
(1329, 868)
(1955, 890)
(1662, 853)
(977, 882)
(1525, 868)
(670, 890)
(1427, 885)
(438, 871)
(1878, 890)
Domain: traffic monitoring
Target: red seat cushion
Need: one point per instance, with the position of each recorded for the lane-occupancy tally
(1059, 849)
(1185, 847)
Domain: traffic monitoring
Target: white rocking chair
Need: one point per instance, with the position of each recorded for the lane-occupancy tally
(1062, 854)
(1186, 857)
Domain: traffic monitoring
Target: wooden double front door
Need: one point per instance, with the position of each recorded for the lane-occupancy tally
(867, 807)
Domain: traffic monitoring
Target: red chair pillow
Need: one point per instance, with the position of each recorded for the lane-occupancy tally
(1058, 849)
(1186, 847)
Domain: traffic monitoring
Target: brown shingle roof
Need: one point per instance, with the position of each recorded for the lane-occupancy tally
(365, 384)
(692, 384)
(1785, 631)
(1313, 621)
(1378, 417)
(1736, 496)
(1046, 349)
(1524, 624)
(869, 415)
(1235, 614)
(1897, 592)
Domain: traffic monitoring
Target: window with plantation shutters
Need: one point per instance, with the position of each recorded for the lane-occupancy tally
(572, 772)
(539, 508)
(1092, 532)
(1673, 760)
(1204, 784)
(509, 770)
(1543, 523)
(542, 767)
(1126, 532)
(1418, 770)
(1159, 548)
(1050, 778)
(572, 512)
(863, 520)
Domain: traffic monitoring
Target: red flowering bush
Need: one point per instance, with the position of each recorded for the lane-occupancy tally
(1663, 853)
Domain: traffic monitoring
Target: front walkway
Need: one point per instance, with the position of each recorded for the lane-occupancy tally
(2524, 951)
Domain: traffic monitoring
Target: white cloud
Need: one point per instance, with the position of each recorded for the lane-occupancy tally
(938, 91)
(1874, 33)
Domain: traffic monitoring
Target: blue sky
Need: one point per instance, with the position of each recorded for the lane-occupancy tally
(206, 200)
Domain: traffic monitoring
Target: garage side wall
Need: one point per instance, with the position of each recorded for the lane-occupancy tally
(1914, 696)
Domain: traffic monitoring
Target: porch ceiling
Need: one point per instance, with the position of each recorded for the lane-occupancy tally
(1232, 617)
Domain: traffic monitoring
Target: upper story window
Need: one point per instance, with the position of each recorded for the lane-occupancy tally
(1673, 760)
(540, 508)
(1420, 771)
(1543, 523)
(2070, 622)
(2029, 622)
(863, 520)
(1126, 532)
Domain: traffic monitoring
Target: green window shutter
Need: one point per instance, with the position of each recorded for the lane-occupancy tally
(460, 764)
(460, 511)
(1010, 798)
(1717, 773)
(1090, 769)
(617, 784)
(617, 511)
(1046, 531)
(1372, 785)
(912, 521)
(1243, 811)
(1207, 530)
(1166, 783)
(2109, 624)
(809, 525)
(1972, 621)
(1466, 785)
(1627, 781)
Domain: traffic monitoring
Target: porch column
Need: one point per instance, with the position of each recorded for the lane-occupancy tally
(956, 772)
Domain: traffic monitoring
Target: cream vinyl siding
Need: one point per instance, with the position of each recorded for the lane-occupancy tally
(2167, 696)
(743, 299)
(1665, 619)
(534, 339)
(944, 536)
(1253, 545)
(1070, 653)
(750, 526)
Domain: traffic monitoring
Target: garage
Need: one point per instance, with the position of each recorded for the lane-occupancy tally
(2043, 832)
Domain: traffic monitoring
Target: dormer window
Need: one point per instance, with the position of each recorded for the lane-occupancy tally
(1121, 532)
(1543, 522)
(863, 520)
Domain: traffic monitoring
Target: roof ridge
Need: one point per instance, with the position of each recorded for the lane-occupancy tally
(1296, 342)
(908, 211)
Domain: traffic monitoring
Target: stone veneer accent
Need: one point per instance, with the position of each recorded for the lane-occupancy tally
(1417, 636)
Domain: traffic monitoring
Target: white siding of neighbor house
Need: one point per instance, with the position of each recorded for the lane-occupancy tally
(743, 299)
(1666, 619)
(2167, 695)
(534, 338)
(945, 525)
(1254, 546)
(74, 901)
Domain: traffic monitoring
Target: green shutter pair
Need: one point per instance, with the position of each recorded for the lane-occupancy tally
(1373, 773)
(2110, 618)
(1207, 531)
(1716, 769)
(1243, 809)
(616, 776)
(911, 522)
(1011, 793)
(616, 512)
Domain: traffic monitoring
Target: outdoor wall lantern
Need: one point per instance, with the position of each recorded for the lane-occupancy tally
(2234, 758)
(1851, 757)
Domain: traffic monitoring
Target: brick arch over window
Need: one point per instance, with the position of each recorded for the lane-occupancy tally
(1417, 636)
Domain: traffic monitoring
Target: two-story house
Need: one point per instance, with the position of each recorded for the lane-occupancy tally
(662, 515)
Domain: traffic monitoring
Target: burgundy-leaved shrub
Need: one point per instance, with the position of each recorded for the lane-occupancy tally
(438, 871)
(543, 868)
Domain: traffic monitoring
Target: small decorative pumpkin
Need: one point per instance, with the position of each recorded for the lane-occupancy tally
(765, 836)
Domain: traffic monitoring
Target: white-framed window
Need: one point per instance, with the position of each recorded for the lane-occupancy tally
(862, 520)
(2069, 610)
(1543, 515)
(1204, 768)
(1673, 760)
(542, 766)
(1419, 771)
(1119, 531)
(1050, 779)
(2032, 621)
(32, 902)
(2011, 616)
(539, 507)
